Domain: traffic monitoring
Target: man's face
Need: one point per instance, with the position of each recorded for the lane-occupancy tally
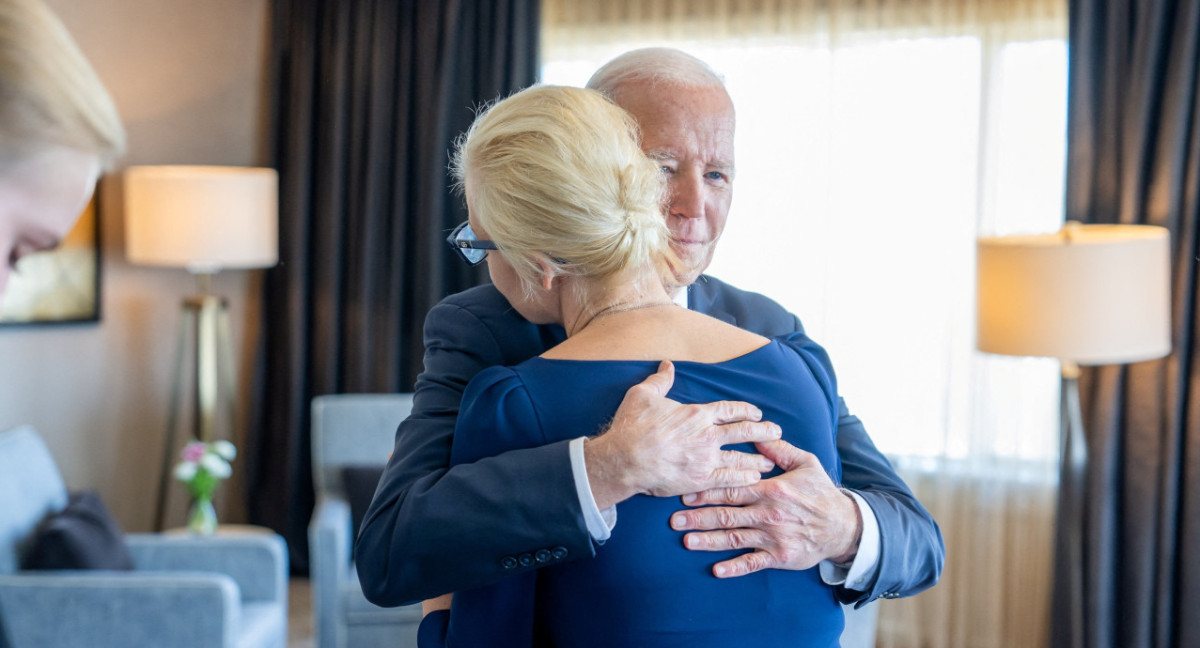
(690, 132)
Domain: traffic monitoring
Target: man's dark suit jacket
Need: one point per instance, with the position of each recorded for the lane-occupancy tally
(431, 530)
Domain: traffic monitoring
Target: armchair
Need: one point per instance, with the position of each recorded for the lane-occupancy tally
(350, 431)
(227, 590)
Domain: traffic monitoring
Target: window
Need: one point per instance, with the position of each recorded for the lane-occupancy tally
(876, 141)
(866, 170)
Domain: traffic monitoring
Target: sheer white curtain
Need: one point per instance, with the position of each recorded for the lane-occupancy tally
(876, 141)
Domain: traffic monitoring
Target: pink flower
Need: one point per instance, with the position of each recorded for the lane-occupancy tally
(194, 451)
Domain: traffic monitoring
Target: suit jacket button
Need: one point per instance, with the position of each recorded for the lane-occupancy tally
(525, 559)
(508, 562)
(559, 552)
(542, 555)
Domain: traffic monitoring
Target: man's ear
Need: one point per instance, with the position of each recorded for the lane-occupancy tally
(548, 273)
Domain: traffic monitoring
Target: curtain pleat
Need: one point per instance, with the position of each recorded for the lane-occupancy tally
(1134, 157)
(367, 98)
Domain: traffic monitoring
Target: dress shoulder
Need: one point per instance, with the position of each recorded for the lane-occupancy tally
(497, 415)
(817, 359)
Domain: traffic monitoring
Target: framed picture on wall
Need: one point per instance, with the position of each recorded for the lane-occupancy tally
(59, 285)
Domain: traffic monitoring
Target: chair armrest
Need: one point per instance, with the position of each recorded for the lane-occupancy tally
(330, 536)
(257, 562)
(329, 547)
(104, 609)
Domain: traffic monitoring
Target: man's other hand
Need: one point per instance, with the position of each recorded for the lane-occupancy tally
(791, 521)
(659, 447)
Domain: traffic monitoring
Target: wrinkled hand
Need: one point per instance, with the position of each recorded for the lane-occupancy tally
(791, 521)
(659, 447)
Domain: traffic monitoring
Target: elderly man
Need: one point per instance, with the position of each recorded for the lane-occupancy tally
(432, 530)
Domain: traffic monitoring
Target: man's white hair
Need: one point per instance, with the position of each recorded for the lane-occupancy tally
(656, 65)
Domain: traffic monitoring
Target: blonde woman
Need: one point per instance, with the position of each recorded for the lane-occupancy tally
(559, 191)
(58, 130)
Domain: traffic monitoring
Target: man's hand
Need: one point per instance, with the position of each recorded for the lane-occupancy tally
(791, 521)
(659, 447)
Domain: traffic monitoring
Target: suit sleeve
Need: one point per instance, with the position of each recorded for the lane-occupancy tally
(911, 551)
(432, 528)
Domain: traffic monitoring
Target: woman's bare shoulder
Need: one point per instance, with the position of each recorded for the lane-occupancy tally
(675, 334)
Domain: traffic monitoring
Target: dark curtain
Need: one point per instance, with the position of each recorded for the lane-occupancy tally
(367, 98)
(1134, 157)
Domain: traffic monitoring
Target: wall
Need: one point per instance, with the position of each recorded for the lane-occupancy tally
(189, 81)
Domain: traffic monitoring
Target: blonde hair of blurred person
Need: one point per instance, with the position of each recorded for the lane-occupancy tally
(59, 129)
(556, 178)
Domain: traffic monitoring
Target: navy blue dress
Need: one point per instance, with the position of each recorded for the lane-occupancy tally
(643, 588)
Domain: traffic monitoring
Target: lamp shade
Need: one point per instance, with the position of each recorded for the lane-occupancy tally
(204, 218)
(1090, 294)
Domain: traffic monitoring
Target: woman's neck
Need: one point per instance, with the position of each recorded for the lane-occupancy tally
(584, 300)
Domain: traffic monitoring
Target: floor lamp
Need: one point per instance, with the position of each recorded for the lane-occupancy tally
(204, 219)
(1087, 295)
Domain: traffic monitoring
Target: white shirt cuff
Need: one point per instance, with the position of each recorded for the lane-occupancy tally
(599, 523)
(857, 575)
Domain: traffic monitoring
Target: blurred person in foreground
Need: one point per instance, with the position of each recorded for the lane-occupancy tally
(59, 130)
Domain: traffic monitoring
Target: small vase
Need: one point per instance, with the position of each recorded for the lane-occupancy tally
(202, 517)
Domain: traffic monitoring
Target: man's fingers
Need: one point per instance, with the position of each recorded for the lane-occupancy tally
(716, 518)
(727, 477)
(785, 455)
(660, 382)
(744, 564)
(725, 540)
(722, 412)
(745, 461)
(748, 432)
(732, 496)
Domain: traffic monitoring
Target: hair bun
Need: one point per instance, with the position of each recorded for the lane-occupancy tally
(557, 173)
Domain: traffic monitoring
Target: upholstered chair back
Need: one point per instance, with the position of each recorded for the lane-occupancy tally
(353, 430)
(30, 488)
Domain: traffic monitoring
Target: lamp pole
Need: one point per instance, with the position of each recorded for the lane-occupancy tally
(205, 321)
(1072, 478)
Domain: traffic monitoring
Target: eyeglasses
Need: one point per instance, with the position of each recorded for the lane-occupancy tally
(471, 248)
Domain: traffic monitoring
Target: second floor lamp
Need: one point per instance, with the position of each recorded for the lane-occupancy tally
(1087, 295)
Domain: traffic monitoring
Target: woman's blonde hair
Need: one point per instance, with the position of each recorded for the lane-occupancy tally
(49, 93)
(556, 175)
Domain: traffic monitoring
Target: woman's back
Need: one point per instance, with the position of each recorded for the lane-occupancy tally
(643, 587)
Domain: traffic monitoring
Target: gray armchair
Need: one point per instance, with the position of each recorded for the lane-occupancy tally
(350, 431)
(227, 590)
